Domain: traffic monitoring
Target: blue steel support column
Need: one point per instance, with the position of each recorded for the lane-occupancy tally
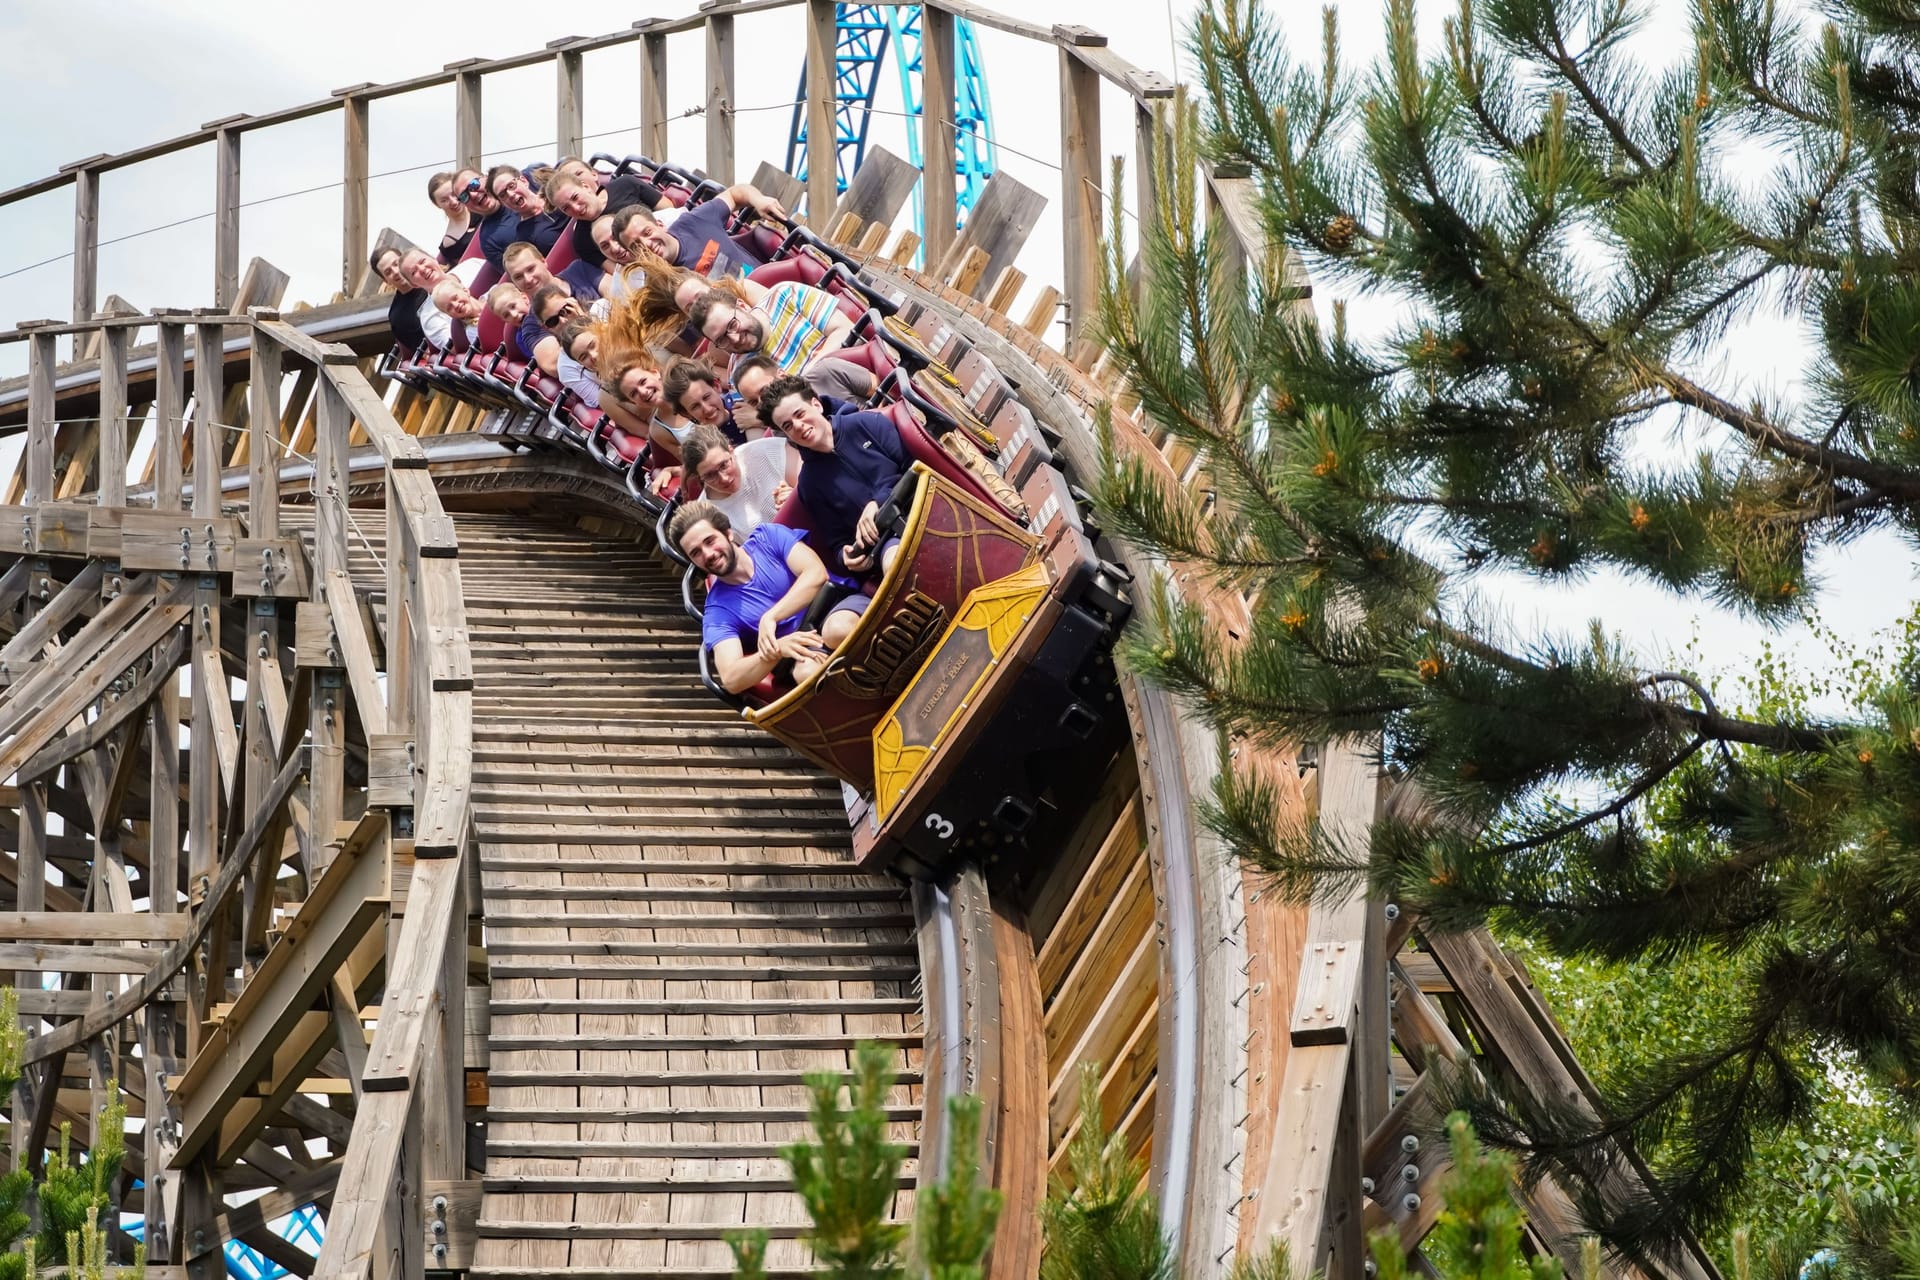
(863, 36)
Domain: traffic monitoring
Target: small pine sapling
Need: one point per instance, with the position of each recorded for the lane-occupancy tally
(16, 1185)
(954, 1218)
(848, 1175)
(1481, 1226)
(1102, 1225)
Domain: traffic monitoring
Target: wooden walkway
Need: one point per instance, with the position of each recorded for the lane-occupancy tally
(674, 934)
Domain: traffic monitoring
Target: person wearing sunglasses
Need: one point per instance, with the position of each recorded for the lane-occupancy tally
(550, 305)
(462, 196)
(535, 222)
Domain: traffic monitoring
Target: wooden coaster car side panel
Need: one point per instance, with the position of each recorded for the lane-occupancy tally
(952, 544)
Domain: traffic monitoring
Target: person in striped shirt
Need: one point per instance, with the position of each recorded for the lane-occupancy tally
(792, 325)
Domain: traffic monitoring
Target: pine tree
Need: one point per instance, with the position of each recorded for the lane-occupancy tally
(1100, 1224)
(1481, 1226)
(16, 1185)
(1562, 225)
(848, 1174)
(953, 1220)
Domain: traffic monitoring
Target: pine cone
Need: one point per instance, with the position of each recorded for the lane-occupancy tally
(1340, 233)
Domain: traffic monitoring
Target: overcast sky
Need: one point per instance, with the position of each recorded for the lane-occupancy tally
(92, 76)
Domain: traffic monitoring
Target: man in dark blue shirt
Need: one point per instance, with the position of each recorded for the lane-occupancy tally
(850, 459)
(536, 222)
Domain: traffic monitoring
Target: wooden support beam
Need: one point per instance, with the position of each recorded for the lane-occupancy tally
(1080, 202)
(568, 103)
(80, 595)
(467, 148)
(653, 95)
(720, 97)
(169, 411)
(113, 417)
(822, 128)
(226, 213)
(937, 142)
(263, 428)
(66, 1037)
(353, 196)
(209, 384)
(166, 662)
(86, 248)
(40, 423)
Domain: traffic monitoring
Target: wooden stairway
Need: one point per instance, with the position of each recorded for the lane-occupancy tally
(675, 935)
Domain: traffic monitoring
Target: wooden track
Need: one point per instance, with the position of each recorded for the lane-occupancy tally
(672, 938)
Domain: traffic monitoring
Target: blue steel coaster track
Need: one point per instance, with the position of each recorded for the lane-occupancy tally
(864, 34)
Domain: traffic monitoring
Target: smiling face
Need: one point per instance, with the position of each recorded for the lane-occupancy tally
(421, 271)
(702, 402)
(734, 330)
(711, 551)
(471, 184)
(577, 201)
(652, 237)
(800, 420)
(641, 388)
(510, 305)
(442, 196)
(720, 473)
(528, 272)
(610, 249)
(516, 195)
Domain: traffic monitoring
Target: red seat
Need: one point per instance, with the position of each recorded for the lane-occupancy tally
(760, 239)
(922, 447)
(874, 357)
(493, 331)
(483, 283)
(473, 245)
(562, 256)
(804, 268)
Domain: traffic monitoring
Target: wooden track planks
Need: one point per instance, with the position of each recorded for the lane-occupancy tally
(644, 1072)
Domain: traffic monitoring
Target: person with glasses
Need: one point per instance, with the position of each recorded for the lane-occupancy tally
(462, 196)
(792, 324)
(549, 306)
(850, 460)
(748, 481)
(518, 192)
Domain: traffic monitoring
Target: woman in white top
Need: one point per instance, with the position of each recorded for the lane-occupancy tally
(749, 482)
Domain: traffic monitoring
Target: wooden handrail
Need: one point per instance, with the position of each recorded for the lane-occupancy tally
(1081, 49)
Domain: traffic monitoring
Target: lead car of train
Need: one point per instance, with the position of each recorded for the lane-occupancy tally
(973, 708)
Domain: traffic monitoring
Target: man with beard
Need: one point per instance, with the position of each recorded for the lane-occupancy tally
(760, 590)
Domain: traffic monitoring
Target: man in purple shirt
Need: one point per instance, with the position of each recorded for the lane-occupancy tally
(760, 591)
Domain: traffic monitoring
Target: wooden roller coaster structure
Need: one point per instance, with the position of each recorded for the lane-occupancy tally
(368, 825)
